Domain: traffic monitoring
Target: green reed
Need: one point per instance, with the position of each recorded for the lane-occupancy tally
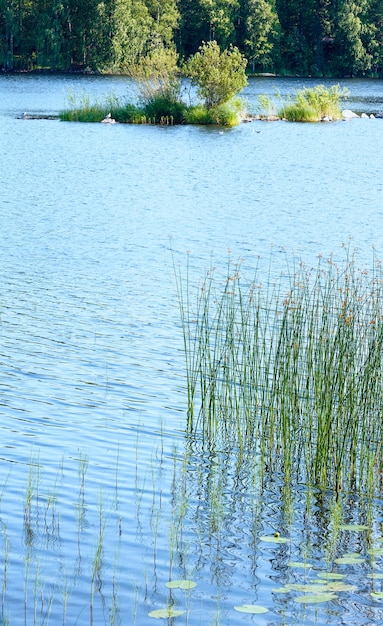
(292, 368)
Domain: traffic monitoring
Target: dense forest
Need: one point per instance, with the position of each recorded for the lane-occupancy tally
(303, 37)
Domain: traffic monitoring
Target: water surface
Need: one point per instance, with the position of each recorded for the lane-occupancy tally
(93, 399)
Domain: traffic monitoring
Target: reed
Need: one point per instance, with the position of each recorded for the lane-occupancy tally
(292, 370)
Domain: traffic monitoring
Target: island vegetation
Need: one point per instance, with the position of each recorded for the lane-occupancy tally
(318, 38)
(217, 75)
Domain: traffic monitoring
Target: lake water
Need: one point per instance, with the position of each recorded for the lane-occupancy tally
(104, 498)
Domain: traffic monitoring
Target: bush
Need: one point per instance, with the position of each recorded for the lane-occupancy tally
(219, 76)
(157, 75)
(163, 109)
(199, 114)
(229, 114)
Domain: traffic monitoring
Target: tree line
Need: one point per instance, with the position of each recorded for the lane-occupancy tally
(304, 37)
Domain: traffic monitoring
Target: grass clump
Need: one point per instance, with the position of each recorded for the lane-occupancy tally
(308, 105)
(293, 370)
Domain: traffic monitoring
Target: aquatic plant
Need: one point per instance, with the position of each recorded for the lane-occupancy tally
(292, 369)
(307, 105)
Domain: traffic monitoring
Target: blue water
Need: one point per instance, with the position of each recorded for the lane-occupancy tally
(92, 384)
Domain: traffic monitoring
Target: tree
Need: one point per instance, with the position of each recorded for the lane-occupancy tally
(350, 54)
(206, 20)
(219, 76)
(132, 26)
(219, 16)
(165, 17)
(260, 30)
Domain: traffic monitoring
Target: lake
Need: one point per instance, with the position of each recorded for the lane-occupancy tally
(104, 496)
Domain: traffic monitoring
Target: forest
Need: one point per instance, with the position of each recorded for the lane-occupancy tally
(334, 38)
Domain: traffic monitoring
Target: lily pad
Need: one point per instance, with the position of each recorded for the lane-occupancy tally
(299, 565)
(331, 575)
(281, 589)
(378, 595)
(375, 551)
(316, 598)
(353, 527)
(165, 613)
(338, 585)
(274, 539)
(315, 587)
(251, 608)
(349, 560)
(375, 575)
(181, 584)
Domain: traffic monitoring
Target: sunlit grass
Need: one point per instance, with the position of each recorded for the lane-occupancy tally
(160, 109)
(307, 105)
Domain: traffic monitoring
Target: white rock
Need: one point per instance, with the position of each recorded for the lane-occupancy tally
(348, 114)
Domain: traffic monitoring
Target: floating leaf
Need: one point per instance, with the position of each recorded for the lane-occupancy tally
(353, 527)
(181, 584)
(298, 564)
(281, 589)
(315, 587)
(376, 575)
(349, 560)
(316, 598)
(251, 608)
(165, 613)
(331, 575)
(375, 551)
(273, 539)
(340, 586)
(377, 594)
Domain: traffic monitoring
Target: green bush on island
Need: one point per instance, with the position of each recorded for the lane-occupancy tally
(308, 105)
(218, 76)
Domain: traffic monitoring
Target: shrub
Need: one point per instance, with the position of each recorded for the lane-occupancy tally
(228, 114)
(198, 114)
(157, 75)
(163, 107)
(219, 76)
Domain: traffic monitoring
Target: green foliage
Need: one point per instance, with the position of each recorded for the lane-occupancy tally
(219, 76)
(318, 37)
(308, 105)
(81, 109)
(261, 32)
(199, 114)
(164, 110)
(157, 74)
(312, 105)
(228, 114)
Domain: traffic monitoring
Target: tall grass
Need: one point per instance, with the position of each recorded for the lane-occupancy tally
(162, 109)
(308, 105)
(292, 369)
